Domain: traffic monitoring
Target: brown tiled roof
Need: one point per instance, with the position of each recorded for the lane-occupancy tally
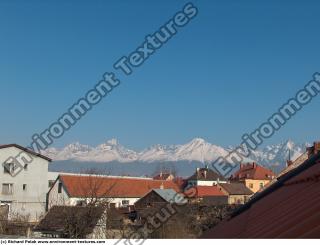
(253, 171)
(204, 191)
(290, 208)
(26, 150)
(98, 186)
(236, 189)
(206, 174)
(60, 217)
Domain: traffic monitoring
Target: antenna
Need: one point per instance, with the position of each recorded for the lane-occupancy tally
(289, 154)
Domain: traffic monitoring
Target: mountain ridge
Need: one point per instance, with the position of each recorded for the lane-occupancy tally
(197, 150)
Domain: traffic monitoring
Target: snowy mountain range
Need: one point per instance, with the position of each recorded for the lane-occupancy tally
(197, 150)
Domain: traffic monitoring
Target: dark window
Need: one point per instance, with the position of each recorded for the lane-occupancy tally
(125, 202)
(24, 187)
(50, 183)
(81, 203)
(7, 189)
(25, 167)
(60, 188)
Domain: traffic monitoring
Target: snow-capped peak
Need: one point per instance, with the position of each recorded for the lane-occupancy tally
(197, 141)
(196, 150)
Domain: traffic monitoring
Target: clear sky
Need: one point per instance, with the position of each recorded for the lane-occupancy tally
(221, 76)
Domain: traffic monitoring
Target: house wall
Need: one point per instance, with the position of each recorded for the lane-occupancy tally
(117, 201)
(151, 199)
(215, 200)
(73, 201)
(30, 202)
(238, 199)
(58, 199)
(254, 185)
(204, 182)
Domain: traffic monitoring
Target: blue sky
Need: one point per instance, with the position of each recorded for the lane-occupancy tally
(221, 76)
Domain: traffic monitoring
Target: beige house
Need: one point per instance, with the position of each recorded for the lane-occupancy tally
(237, 193)
(254, 176)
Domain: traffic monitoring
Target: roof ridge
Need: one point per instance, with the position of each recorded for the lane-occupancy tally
(314, 177)
(111, 177)
(28, 150)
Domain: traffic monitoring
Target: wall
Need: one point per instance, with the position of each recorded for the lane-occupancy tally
(204, 182)
(254, 185)
(152, 199)
(30, 202)
(238, 199)
(215, 200)
(58, 199)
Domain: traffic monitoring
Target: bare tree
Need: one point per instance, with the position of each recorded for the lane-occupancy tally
(95, 194)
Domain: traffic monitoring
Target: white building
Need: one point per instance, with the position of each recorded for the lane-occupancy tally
(23, 193)
(120, 191)
(205, 177)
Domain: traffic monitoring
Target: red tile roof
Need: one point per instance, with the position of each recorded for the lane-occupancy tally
(204, 191)
(99, 186)
(290, 208)
(253, 171)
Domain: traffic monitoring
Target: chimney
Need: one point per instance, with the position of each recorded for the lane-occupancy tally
(316, 146)
(241, 165)
(254, 165)
(289, 162)
(313, 149)
(205, 173)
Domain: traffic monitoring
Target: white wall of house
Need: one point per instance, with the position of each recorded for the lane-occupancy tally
(205, 182)
(118, 201)
(29, 187)
(56, 198)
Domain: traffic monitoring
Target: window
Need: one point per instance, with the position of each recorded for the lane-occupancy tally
(50, 183)
(25, 167)
(251, 185)
(7, 189)
(24, 187)
(81, 203)
(60, 188)
(125, 202)
(261, 185)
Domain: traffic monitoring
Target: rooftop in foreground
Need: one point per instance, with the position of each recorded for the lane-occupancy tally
(289, 208)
